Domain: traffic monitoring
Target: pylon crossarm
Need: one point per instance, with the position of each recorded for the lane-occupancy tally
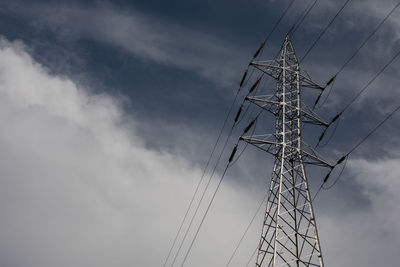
(270, 105)
(306, 81)
(311, 160)
(265, 103)
(270, 67)
(262, 143)
(264, 99)
(309, 157)
(311, 117)
(267, 107)
(309, 153)
(274, 69)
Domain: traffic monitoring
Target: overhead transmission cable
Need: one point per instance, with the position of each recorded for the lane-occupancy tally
(261, 49)
(375, 30)
(203, 218)
(200, 181)
(368, 38)
(237, 119)
(338, 115)
(247, 230)
(251, 257)
(201, 198)
(208, 184)
(242, 84)
(253, 125)
(346, 156)
(301, 18)
(257, 54)
(254, 87)
(325, 29)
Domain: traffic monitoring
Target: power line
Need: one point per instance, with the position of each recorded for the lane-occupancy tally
(202, 197)
(359, 48)
(373, 131)
(201, 179)
(236, 121)
(210, 178)
(206, 188)
(300, 20)
(368, 38)
(247, 229)
(370, 82)
(274, 28)
(251, 257)
(257, 54)
(324, 30)
(242, 84)
(205, 215)
(338, 177)
(251, 125)
(338, 115)
(345, 157)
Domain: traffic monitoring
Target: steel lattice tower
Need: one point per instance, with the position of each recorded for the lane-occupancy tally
(289, 234)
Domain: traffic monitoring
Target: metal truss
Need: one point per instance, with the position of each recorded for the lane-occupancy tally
(289, 234)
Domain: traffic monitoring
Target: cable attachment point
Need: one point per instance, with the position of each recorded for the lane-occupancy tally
(259, 50)
(249, 126)
(254, 85)
(243, 79)
(233, 153)
(238, 113)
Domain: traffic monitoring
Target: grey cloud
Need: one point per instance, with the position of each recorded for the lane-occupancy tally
(143, 36)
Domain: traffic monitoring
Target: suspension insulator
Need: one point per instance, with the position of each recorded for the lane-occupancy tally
(316, 101)
(336, 117)
(254, 85)
(341, 160)
(327, 177)
(243, 79)
(322, 135)
(249, 126)
(233, 153)
(259, 50)
(238, 113)
(331, 80)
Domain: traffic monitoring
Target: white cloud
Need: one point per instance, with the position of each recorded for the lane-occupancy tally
(77, 188)
(366, 236)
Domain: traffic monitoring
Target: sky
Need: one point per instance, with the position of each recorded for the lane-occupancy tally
(110, 110)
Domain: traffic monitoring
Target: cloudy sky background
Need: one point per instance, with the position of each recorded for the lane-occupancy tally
(110, 110)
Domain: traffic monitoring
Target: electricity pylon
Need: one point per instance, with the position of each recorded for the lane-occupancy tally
(289, 234)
